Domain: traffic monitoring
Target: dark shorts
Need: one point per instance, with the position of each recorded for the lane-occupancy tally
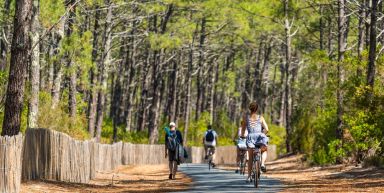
(172, 155)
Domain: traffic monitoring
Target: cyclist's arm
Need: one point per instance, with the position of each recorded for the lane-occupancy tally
(265, 126)
(243, 126)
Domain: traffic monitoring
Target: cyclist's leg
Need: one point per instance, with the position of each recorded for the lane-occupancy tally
(238, 152)
(206, 151)
(213, 150)
(263, 157)
(250, 160)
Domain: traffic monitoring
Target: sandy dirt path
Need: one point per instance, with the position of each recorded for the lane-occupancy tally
(139, 179)
(299, 177)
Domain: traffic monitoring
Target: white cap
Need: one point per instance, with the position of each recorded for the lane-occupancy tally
(172, 124)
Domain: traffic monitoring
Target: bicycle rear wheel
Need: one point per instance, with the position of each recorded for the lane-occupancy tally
(256, 174)
(243, 165)
(209, 165)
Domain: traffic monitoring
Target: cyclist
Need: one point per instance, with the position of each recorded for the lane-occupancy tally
(241, 146)
(173, 139)
(210, 141)
(257, 128)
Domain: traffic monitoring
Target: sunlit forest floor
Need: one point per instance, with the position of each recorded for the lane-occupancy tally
(300, 177)
(140, 179)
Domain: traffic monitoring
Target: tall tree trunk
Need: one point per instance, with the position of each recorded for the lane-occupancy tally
(92, 103)
(342, 24)
(265, 77)
(361, 38)
(174, 76)
(188, 93)
(18, 68)
(200, 70)
(287, 85)
(321, 27)
(257, 72)
(59, 69)
(70, 4)
(104, 65)
(247, 83)
(372, 47)
(35, 67)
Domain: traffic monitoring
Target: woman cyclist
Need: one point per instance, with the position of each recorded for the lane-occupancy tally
(257, 128)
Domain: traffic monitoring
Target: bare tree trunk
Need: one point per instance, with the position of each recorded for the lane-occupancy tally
(18, 68)
(92, 103)
(59, 71)
(342, 24)
(188, 97)
(35, 67)
(265, 77)
(372, 46)
(71, 67)
(200, 70)
(360, 42)
(287, 95)
(173, 92)
(257, 82)
(104, 66)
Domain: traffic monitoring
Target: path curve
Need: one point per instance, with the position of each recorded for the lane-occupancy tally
(221, 181)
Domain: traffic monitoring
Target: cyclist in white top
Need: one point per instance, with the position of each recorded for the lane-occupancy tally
(210, 141)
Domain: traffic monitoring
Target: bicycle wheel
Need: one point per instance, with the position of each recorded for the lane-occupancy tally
(256, 174)
(242, 165)
(209, 165)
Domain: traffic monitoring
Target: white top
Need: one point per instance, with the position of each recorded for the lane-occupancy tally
(212, 143)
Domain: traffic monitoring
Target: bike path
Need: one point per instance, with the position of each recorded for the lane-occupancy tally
(223, 181)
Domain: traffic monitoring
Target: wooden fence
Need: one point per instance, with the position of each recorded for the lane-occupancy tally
(139, 154)
(10, 163)
(52, 155)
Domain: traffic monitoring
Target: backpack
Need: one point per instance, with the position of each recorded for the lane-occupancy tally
(172, 141)
(209, 137)
(180, 156)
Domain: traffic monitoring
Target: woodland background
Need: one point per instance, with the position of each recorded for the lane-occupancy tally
(122, 70)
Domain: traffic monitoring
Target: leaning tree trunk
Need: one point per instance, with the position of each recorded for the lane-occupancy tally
(18, 68)
(103, 76)
(35, 67)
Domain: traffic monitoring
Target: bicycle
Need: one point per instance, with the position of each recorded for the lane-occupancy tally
(243, 162)
(242, 156)
(210, 156)
(256, 166)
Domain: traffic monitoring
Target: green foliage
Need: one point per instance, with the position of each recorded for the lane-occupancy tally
(58, 119)
(122, 135)
(277, 137)
(51, 11)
